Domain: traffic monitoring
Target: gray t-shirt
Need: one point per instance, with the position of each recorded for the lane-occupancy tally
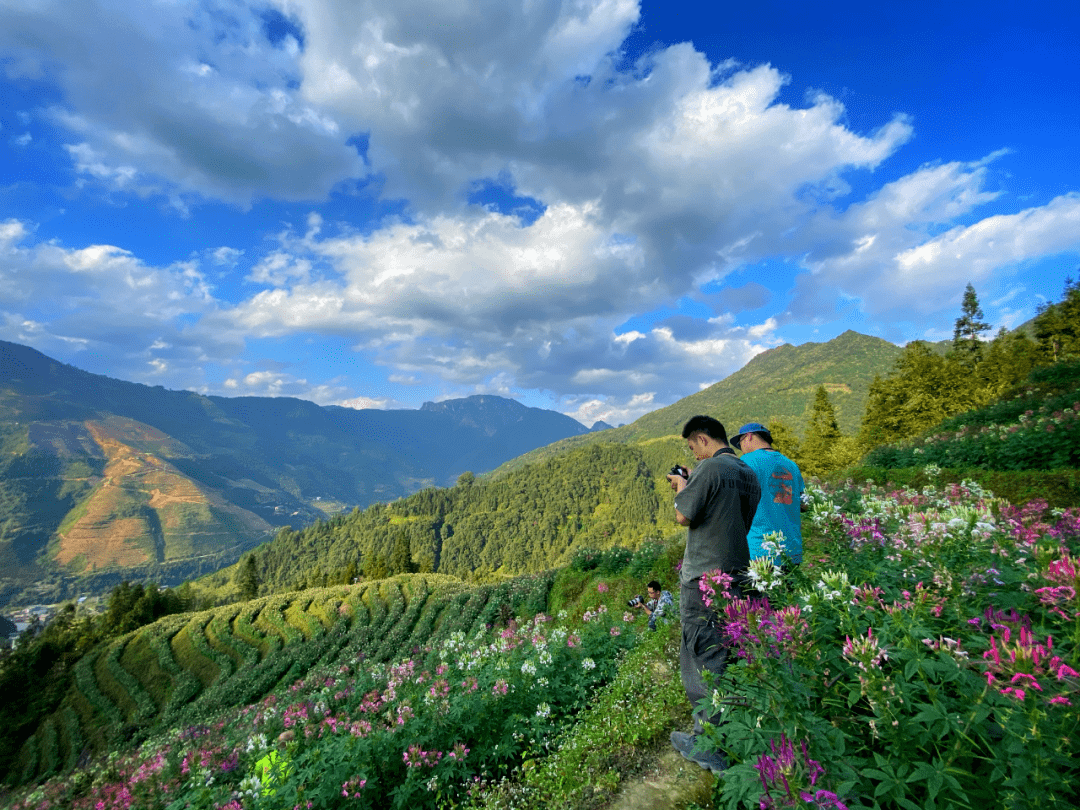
(719, 500)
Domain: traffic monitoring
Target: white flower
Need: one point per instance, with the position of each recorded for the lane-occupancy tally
(543, 710)
(588, 664)
(528, 668)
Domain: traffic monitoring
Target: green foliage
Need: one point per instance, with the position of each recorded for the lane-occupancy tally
(784, 440)
(912, 665)
(44, 668)
(515, 697)
(924, 389)
(599, 497)
(186, 667)
(969, 326)
(1057, 326)
(1036, 429)
(822, 434)
(247, 578)
(624, 721)
(1059, 488)
(605, 561)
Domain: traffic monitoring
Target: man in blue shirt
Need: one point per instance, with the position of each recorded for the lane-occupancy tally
(781, 491)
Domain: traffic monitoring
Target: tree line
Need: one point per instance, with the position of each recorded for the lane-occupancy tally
(37, 672)
(928, 384)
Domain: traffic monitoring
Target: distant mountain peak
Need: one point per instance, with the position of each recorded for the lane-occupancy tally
(473, 402)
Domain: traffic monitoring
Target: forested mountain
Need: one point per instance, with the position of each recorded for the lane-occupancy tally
(530, 520)
(107, 479)
(776, 385)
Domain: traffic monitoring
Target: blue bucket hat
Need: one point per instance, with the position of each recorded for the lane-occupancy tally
(750, 427)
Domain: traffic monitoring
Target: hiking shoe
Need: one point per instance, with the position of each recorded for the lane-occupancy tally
(685, 744)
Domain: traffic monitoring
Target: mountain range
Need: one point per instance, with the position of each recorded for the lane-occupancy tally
(103, 479)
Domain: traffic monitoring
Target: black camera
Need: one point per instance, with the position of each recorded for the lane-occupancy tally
(637, 600)
(679, 469)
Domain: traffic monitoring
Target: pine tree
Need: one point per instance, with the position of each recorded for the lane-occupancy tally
(400, 561)
(968, 327)
(822, 434)
(785, 441)
(1057, 326)
(924, 389)
(247, 578)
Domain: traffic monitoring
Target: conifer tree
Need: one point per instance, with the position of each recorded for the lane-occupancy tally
(924, 389)
(400, 561)
(968, 327)
(375, 567)
(1057, 326)
(822, 434)
(247, 579)
(785, 441)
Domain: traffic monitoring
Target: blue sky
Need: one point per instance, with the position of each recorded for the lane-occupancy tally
(596, 207)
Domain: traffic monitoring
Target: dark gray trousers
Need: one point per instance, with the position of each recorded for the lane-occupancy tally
(703, 648)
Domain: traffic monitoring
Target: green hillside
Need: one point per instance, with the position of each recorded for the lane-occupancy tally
(394, 683)
(187, 667)
(102, 479)
(778, 384)
(530, 520)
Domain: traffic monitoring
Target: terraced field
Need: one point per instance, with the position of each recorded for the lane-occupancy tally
(184, 669)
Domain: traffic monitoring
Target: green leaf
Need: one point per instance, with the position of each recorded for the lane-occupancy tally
(930, 714)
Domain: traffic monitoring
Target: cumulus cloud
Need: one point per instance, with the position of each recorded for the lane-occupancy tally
(895, 252)
(278, 383)
(109, 309)
(651, 181)
(370, 403)
(178, 98)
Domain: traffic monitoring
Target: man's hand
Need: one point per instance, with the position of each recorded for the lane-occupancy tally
(677, 483)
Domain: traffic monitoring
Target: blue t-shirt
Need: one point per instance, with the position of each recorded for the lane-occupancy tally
(779, 507)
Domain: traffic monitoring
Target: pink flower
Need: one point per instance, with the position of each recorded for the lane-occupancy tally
(1024, 677)
(602, 587)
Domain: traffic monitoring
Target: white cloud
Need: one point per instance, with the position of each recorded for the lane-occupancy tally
(128, 318)
(226, 256)
(654, 180)
(376, 403)
(891, 255)
(178, 98)
(975, 250)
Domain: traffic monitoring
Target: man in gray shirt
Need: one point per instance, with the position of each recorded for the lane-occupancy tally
(716, 503)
